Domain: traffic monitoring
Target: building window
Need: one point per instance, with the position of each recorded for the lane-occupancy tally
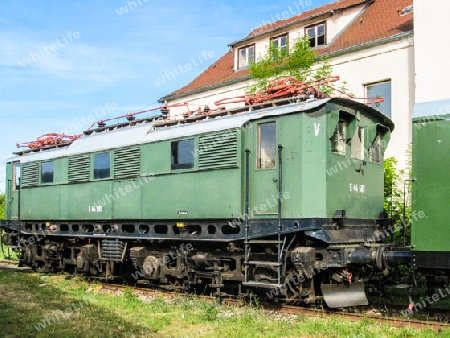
(280, 42)
(377, 90)
(47, 172)
(316, 35)
(266, 145)
(357, 144)
(183, 154)
(16, 173)
(246, 56)
(102, 165)
(338, 141)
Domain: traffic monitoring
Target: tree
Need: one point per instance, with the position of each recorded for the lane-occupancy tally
(295, 62)
(396, 192)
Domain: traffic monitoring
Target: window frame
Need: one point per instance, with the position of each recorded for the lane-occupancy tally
(246, 48)
(272, 158)
(17, 174)
(94, 156)
(44, 173)
(378, 135)
(185, 165)
(342, 141)
(361, 146)
(316, 36)
(376, 105)
(375, 153)
(278, 38)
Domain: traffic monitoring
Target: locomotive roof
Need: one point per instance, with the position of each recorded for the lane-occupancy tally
(147, 133)
(432, 110)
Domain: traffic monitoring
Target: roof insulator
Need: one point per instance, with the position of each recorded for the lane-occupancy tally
(164, 111)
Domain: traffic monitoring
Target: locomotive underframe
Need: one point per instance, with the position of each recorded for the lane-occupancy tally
(334, 230)
(183, 259)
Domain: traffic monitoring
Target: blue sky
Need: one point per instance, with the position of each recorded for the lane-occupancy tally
(62, 61)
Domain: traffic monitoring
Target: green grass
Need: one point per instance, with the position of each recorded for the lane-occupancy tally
(29, 299)
(13, 256)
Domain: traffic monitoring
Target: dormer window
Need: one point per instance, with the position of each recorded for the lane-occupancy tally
(316, 34)
(280, 42)
(246, 56)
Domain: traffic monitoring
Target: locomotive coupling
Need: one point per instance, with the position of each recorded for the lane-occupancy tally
(383, 256)
(396, 256)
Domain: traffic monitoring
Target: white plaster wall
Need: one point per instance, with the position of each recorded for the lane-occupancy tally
(209, 97)
(432, 50)
(335, 24)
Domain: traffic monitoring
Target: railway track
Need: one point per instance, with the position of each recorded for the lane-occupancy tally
(272, 308)
(9, 264)
(279, 308)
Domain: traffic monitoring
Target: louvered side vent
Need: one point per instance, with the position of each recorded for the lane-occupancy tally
(79, 168)
(127, 162)
(218, 150)
(30, 175)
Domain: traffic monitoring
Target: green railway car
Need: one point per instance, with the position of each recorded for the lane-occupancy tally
(431, 187)
(262, 195)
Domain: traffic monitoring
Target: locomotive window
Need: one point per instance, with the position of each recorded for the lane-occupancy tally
(338, 140)
(16, 173)
(358, 143)
(182, 154)
(47, 172)
(102, 165)
(375, 150)
(266, 145)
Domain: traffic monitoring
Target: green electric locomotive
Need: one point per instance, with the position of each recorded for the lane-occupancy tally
(283, 199)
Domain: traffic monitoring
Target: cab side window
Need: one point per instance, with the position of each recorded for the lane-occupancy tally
(266, 145)
(338, 141)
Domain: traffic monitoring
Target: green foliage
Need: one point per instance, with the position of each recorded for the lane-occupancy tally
(210, 311)
(396, 200)
(2, 206)
(129, 295)
(295, 62)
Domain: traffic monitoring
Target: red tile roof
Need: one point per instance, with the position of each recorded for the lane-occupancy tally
(219, 72)
(381, 19)
(338, 5)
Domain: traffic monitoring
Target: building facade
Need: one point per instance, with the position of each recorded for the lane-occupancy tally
(369, 44)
